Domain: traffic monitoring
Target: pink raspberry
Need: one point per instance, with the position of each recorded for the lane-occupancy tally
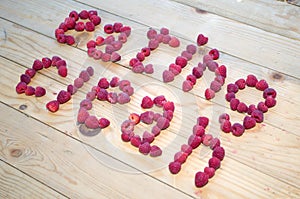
(169, 106)
(63, 97)
(201, 179)
(258, 116)
(134, 117)
(151, 33)
(73, 14)
(39, 91)
(123, 84)
(155, 130)
(206, 59)
(100, 40)
(63, 71)
(214, 53)
(84, 75)
(145, 148)
(84, 14)
(192, 79)
(159, 37)
(61, 63)
(221, 70)
(175, 69)
(226, 126)
(214, 163)
(251, 81)
(29, 91)
(219, 153)
(153, 44)
(194, 141)
(25, 78)
(70, 40)
(140, 56)
(90, 95)
(212, 65)
(168, 114)
(21, 87)
(155, 151)
(186, 149)
(223, 117)
(174, 42)
(180, 157)
(138, 68)
(92, 13)
(52, 106)
(30, 72)
(201, 40)
(133, 62)
(229, 96)
(174, 167)
(78, 82)
(158, 115)
(202, 121)
(91, 53)
(159, 100)
(129, 90)
(261, 85)
(146, 51)
(79, 26)
(188, 56)
(89, 26)
(115, 57)
(126, 137)
(147, 117)
(92, 122)
(82, 114)
(209, 171)
(37, 65)
(70, 23)
(249, 122)
(168, 76)
(166, 39)
(127, 126)
(103, 83)
(117, 27)
(149, 69)
(46, 62)
(206, 139)
(126, 30)
(86, 103)
(136, 141)
(209, 94)
(191, 48)
(198, 130)
(187, 85)
(234, 104)
(241, 83)
(269, 92)
(102, 95)
(147, 102)
(90, 70)
(215, 86)
(232, 88)
(109, 48)
(163, 123)
(242, 107)
(215, 142)
(164, 31)
(96, 20)
(112, 97)
(270, 102)
(220, 79)
(103, 123)
(114, 82)
(123, 98)
(237, 129)
(262, 107)
(197, 72)
(147, 137)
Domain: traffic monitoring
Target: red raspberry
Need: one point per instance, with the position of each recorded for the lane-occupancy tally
(202, 121)
(215, 142)
(52, 106)
(29, 91)
(168, 76)
(90, 95)
(147, 137)
(269, 92)
(79, 26)
(212, 65)
(166, 39)
(234, 104)
(63, 71)
(126, 137)
(97, 54)
(146, 51)
(145, 148)
(206, 58)
(91, 44)
(73, 14)
(127, 126)
(220, 79)
(209, 171)
(112, 98)
(180, 157)
(262, 107)
(214, 163)
(198, 130)
(153, 44)
(59, 32)
(89, 26)
(174, 167)
(226, 126)
(37, 65)
(209, 94)
(126, 30)
(21, 87)
(163, 123)
(103, 83)
(70, 40)
(229, 96)
(155, 151)
(93, 13)
(151, 33)
(258, 116)
(114, 82)
(201, 40)
(103, 123)
(25, 78)
(91, 122)
(251, 109)
(215, 86)
(78, 82)
(206, 139)
(82, 114)
(155, 130)
(169, 106)
(134, 117)
(223, 117)
(197, 72)
(30, 72)
(261, 85)
(39, 91)
(270, 102)
(55, 59)
(187, 85)
(159, 100)
(138, 68)
(191, 48)
(168, 114)
(174, 42)
(186, 149)
(147, 117)
(149, 69)
(102, 94)
(84, 75)
(109, 48)
(158, 115)
(70, 23)
(192, 79)
(221, 70)
(219, 153)
(99, 41)
(241, 83)
(249, 122)
(188, 56)
(242, 107)
(136, 141)
(194, 141)
(123, 98)
(175, 69)
(84, 14)
(237, 129)
(115, 57)
(147, 102)
(63, 97)
(201, 179)
(117, 27)
(96, 20)
(46, 62)
(214, 53)
(164, 31)
(232, 88)
(251, 81)
(63, 27)
(87, 104)
(123, 84)
(129, 90)
(60, 63)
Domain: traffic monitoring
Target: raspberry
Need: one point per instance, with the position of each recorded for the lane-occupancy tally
(114, 82)
(249, 122)
(127, 126)
(202, 121)
(181, 61)
(187, 85)
(109, 39)
(201, 179)
(166, 39)
(168, 114)
(25, 78)
(214, 53)
(194, 141)
(29, 91)
(269, 92)
(46, 62)
(123, 84)
(234, 104)
(261, 85)
(146, 51)
(21, 87)
(198, 130)
(91, 122)
(147, 137)
(39, 91)
(63, 71)
(63, 97)
(103, 83)
(155, 130)
(84, 14)
(60, 63)
(90, 95)
(153, 44)
(215, 142)
(99, 40)
(209, 171)
(96, 20)
(219, 153)
(129, 90)
(214, 163)
(226, 126)
(175, 69)
(220, 79)
(159, 37)
(212, 65)
(103, 123)
(270, 102)
(145, 148)
(241, 83)
(147, 102)
(82, 114)
(191, 48)
(151, 33)
(126, 30)
(201, 40)
(159, 100)
(215, 86)
(61, 38)
(123, 98)
(221, 70)
(87, 104)
(180, 157)
(163, 123)
(93, 13)
(138, 68)
(164, 31)
(70, 23)
(73, 14)
(109, 48)
(149, 69)
(70, 40)
(126, 137)
(169, 106)
(63, 27)
(102, 94)
(134, 117)
(251, 81)
(258, 116)
(133, 61)
(237, 129)
(52, 106)
(37, 65)
(223, 117)
(55, 59)
(174, 167)
(97, 54)
(197, 72)
(158, 115)
(186, 149)
(192, 79)
(168, 76)
(174, 42)
(209, 94)
(206, 139)
(188, 56)
(136, 141)
(232, 88)
(59, 31)
(79, 26)
(91, 53)
(229, 96)
(78, 82)
(262, 107)
(206, 58)
(117, 27)
(115, 57)
(30, 72)
(89, 26)
(117, 45)
(90, 70)
(155, 151)
(242, 107)
(251, 109)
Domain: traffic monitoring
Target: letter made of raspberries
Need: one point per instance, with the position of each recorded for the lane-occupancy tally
(103, 91)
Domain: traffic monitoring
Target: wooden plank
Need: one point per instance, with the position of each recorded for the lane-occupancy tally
(15, 184)
(256, 46)
(272, 16)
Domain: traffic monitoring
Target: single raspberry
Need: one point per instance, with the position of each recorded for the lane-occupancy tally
(249, 122)
(226, 126)
(168, 114)
(84, 14)
(52, 106)
(241, 83)
(73, 14)
(159, 100)
(145, 148)
(168, 76)
(136, 141)
(149, 69)
(258, 116)
(147, 137)
(169, 106)
(103, 123)
(63, 27)
(187, 85)
(146, 51)
(209, 171)
(82, 114)
(70, 40)
(192, 79)
(251, 81)
(214, 53)
(237, 129)
(251, 108)
(117, 27)
(89, 26)
(206, 139)
(223, 117)
(174, 167)
(269, 92)
(138, 68)
(232, 88)
(30, 72)
(78, 82)
(114, 82)
(46, 62)
(63, 97)
(270, 102)
(115, 57)
(25, 78)
(202, 121)
(37, 65)
(215, 142)
(126, 30)
(84, 75)
(215, 86)
(198, 130)
(103, 83)
(242, 107)
(153, 44)
(55, 59)
(99, 40)
(174, 42)
(102, 94)
(40, 91)
(191, 48)
(126, 137)
(140, 56)
(163, 123)
(212, 65)
(201, 40)
(186, 149)
(109, 48)
(90, 95)
(29, 91)
(201, 179)
(221, 70)
(155, 151)
(21, 87)
(151, 33)
(123, 98)
(86, 103)
(188, 56)
(180, 157)
(159, 37)
(219, 153)
(70, 23)
(59, 31)
(127, 126)
(92, 13)
(63, 71)
(147, 102)
(261, 85)
(164, 31)
(123, 84)
(158, 115)
(96, 20)
(133, 62)
(220, 79)
(79, 26)
(91, 53)
(166, 39)
(60, 63)
(91, 122)
(129, 90)
(175, 69)
(209, 94)
(234, 104)
(194, 141)
(117, 45)
(61, 38)
(214, 163)
(197, 72)
(155, 130)
(206, 58)
(91, 44)
(262, 107)
(134, 117)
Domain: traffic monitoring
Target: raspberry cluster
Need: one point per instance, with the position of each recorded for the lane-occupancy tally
(255, 114)
(72, 22)
(148, 117)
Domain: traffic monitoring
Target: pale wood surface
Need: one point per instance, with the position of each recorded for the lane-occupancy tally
(264, 163)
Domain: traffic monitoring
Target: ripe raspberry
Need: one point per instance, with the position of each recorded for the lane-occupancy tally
(220, 79)
(59, 31)
(117, 27)
(206, 58)
(201, 179)
(155, 130)
(63, 27)
(103, 83)
(61, 38)
(37, 65)
(103, 123)
(201, 40)
(206, 139)
(86, 103)
(55, 59)
(82, 114)
(89, 26)
(223, 117)
(270, 102)
(169, 106)
(84, 14)
(126, 137)
(91, 122)
(21, 87)
(166, 39)
(174, 42)
(237, 129)
(232, 88)
(138, 68)
(197, 72)
(63, 71)
(158, 115)
(149, 69)
(188, 56)
(186, 149)
(29, 91)
(164, 31)
(192, 79)
(251, 109)
(261, 85)
(136, 141)
(221, 70)
(129, 90)
(91, 44)
(127, 126)
(194, 141)
(126, 30)
(191, 48)
(91, 53)
(249, 122)
(102, 94)
(109, 48)
(155, 151)
(219, 153)
(159, 37)
(258, 116)
(215, 86)
(70, 40)
(90, 95)
(60, 63)
(159, 100)
(241, 83)
(187, 85)
(209, 94)
(209, 171)
(147, 137)
(151, 33)
(202, 121)
(226, 126)
(251, 81)
(25, 78)
(63, 97)
(262, 107)
(134, 117)
(79, 26)
(146, 51)
(73, 14)
(214, 163)
(163, 123)
(123, 98)
(180, 157)
(46, 62)
(174, 167)
(123, 84)
(175, 69)
(214, 53)
(153, 44)
(269, 92)
(168, 76)
(30, 72)
(39, 91)
(229, 96)
(212, 65)
(70, 23)
(78, 82)
(96, 20)
(234, 104)
(242, 107)
(198, 130)
(114, 82)
(92, 13)
(215, 142)
(147, 102)
(52, 106)
(145, 148)
(168, 114)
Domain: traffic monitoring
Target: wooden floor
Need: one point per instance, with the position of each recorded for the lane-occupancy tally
(44, 155)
